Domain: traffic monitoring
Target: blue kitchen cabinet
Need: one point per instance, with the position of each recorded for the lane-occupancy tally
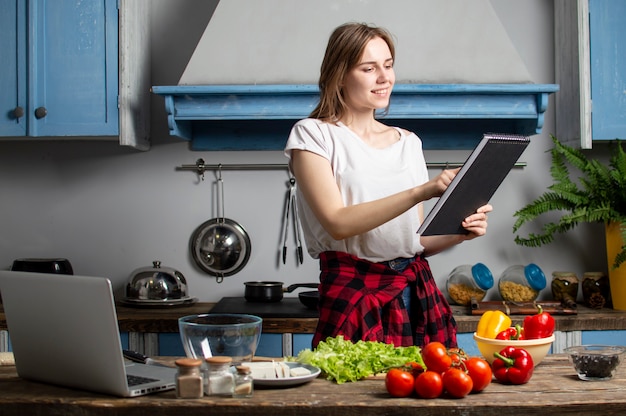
(170, 344)
(607, 47)
(590, 68)
(604, 337)
(12, 68)
(59, 69)
(270, 345)
(301, 342)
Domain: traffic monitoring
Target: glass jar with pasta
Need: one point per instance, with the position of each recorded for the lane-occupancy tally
(520, 283)
(466, 282)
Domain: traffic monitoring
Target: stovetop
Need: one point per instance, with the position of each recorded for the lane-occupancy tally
(288, 307)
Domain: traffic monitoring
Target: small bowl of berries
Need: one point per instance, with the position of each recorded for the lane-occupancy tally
(595, 362)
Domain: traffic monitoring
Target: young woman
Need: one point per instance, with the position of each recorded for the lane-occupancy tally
(361, 185)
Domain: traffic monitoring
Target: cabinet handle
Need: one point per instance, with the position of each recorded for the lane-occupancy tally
(18, 112)
(41, 112)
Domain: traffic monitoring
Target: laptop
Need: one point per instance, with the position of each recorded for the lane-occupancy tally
(63, 330)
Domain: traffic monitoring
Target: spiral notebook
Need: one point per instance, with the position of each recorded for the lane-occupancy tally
(474, 185)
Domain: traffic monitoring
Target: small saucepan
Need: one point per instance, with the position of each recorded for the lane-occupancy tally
(267, 291)
(310, 298)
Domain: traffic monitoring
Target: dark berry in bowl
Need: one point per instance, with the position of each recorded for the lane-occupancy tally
(595, 362)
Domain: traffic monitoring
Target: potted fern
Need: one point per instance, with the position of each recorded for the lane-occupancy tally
(599, 195)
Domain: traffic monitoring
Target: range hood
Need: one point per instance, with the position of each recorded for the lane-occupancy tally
(459, 72)
(259, 117)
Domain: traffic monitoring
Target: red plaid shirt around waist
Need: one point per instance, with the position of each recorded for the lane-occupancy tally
(362, 300)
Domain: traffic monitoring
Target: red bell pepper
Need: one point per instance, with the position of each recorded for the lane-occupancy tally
(538, 326)
(513, 366)
(514, 332)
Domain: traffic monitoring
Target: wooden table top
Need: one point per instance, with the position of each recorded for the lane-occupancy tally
(554, 389)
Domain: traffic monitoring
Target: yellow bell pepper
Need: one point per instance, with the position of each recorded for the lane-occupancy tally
(491, 323)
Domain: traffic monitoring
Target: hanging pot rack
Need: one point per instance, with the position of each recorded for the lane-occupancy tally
(200, 166)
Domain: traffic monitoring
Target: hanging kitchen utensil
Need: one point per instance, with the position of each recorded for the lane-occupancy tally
(291, 205)
(220, 246)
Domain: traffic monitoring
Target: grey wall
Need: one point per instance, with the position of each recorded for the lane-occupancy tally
(111, 210)
(455, 41)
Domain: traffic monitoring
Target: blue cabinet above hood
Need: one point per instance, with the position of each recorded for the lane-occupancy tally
(259, 117)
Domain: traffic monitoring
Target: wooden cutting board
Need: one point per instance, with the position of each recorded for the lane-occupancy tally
(520, 308)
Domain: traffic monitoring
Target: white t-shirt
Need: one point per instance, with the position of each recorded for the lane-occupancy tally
(363, 174)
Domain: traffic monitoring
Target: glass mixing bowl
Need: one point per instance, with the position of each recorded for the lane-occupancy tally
(231, 335)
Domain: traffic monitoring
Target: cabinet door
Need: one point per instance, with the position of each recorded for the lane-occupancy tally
(607, 43)
(73, 68)
(12, 68)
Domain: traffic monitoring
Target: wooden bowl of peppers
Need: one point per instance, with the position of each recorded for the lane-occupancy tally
(495, 332)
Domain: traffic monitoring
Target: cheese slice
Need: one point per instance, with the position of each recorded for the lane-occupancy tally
(299, 372)
(262, 370)
(282, 370)
(274, 370)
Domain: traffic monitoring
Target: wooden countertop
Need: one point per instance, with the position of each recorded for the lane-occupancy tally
(554, 389)
(155, 320)
(165, 320)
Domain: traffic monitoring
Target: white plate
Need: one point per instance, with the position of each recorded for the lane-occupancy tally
(289, 381)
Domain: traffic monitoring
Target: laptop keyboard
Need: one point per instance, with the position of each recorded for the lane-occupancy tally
(136, 380)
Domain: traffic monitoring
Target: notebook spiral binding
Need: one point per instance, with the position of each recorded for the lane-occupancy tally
(504, 137)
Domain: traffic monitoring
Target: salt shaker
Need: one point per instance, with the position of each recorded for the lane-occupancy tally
(243, 382)
(219, 379)
(189, 380)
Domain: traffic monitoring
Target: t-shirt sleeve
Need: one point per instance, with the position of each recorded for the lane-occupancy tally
(307, 134)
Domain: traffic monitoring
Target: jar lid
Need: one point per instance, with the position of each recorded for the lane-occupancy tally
(188, 362)
(535, 277)
(243, 369)
(482, 276)
(220, 359)
(563, 274)
(593, 274)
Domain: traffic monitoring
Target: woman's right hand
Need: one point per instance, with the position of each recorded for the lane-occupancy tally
(441, 182)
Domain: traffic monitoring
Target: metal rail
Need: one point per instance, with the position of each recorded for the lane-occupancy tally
(200, 167)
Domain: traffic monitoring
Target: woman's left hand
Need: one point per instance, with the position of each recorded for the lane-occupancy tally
(476, 223)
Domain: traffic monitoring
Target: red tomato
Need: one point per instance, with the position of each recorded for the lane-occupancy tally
(456, 356)
(480, 372)
(399, 383)
(429, 385)
(435, 356)
(457, 382)
(414, 368)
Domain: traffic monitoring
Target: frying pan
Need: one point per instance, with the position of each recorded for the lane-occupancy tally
(220, 246)
(268, 291)
(310, 298)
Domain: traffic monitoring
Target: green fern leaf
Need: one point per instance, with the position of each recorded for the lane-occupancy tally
(598, 195)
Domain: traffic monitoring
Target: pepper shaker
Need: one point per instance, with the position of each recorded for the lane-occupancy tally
(243, 382)
(189, 380)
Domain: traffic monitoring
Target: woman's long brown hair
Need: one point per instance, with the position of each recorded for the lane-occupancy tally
(343, 52)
